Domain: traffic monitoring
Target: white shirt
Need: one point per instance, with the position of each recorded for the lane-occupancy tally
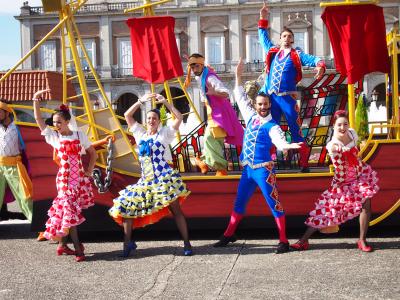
(249, 113)
(214, 82)
(9, 141)
(53, 138)
(165, 135)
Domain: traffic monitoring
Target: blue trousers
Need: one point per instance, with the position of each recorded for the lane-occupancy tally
(265, 179)
(288, 106)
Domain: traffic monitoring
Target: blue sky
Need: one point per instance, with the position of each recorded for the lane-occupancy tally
(10, 49)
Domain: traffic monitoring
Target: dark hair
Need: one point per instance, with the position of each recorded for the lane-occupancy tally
(156, 111)
(340, 114)
(286, 29)
(262, 94)
(63, 111)
(196, 55)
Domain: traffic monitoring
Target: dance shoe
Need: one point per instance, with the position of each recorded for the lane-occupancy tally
(300, 246)
(366, 248)
(282, 248)
(220, 173)
(225, 240)
(201, 164)
(128, 249)
(64, 249)
(79, 258)
(187, 250)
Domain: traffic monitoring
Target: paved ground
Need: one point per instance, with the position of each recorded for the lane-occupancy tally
(332, 269)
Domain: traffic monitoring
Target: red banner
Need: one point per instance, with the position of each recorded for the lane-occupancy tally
(155, 55)
(358, 38)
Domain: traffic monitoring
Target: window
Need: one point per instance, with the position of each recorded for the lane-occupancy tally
(301, 40)
(254, 51)
(47, 56)
(90, 46)
(178, 42)
(215, 46)
(125, 56)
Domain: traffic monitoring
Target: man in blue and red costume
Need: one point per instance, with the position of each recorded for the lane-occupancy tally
(222, 123)
(283, 69)
(262, 132)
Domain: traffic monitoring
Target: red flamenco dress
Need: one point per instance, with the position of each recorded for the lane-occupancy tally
(74, 191)
(353, 183)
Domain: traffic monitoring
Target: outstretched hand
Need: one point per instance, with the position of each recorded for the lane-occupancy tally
(320, 72)
(38, 95)
(240, 67)
(296, 145)
(264, 11)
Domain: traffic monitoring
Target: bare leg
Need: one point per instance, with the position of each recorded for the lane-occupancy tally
(364, 220)
(309, 232)
(73, 232)
(180, 221)
(127, 231)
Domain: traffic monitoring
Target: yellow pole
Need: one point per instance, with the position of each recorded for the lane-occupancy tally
(395, 80)
(351, 105)
(64, 63)
(169, 99)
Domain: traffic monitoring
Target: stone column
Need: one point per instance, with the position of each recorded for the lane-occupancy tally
(26, 43)
(320, 48)
(235, 36)
(105, 46)
(194, 32)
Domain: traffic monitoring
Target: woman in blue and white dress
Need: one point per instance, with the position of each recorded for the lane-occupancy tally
(160, 190)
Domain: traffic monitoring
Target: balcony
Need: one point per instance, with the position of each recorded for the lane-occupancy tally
(118, 72)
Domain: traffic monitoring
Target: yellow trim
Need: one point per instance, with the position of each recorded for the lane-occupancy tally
(347, 2)
(385, 214)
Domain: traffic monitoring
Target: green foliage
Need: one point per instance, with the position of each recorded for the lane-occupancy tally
(163, 115)
(362, 119)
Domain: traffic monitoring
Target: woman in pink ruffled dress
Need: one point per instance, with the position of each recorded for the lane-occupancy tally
(353, 185)
(74, 190)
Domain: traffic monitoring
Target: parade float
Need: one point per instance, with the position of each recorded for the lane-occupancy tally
(211, 197)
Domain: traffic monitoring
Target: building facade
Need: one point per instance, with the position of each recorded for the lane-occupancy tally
(223, 30)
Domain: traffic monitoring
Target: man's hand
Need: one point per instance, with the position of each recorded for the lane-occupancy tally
(320, 72)
(264, 11)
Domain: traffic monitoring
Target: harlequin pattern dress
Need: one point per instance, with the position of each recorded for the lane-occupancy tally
(353, 182)
(74, 190)
(147, 201)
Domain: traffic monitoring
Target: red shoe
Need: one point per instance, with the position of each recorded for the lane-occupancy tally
(65, 250)
(79, 258)
(300, 246)
(365, 248)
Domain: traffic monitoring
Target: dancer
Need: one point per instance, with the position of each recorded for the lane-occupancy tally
(283, 68)
(353, 185)
(222, 124)
(262, 132)
(12, 170)
(74, 190)
(160, 189)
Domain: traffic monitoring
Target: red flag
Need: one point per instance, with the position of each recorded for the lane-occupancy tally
(155, 55)
(358, 38)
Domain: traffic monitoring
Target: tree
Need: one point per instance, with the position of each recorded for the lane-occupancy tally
(362, 118)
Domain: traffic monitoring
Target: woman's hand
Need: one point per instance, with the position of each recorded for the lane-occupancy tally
(38, 95)
(160, 99)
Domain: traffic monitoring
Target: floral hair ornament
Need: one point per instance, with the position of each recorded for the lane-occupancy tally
(340, 112)
(64, 107)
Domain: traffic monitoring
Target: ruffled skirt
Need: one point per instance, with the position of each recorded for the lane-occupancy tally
(66, 210)
(335, 206)
(147, 201)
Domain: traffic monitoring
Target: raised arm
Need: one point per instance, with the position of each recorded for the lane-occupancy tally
(178, 116)
(240, 96)
(131, 110)
(36, 108)
(263, 37)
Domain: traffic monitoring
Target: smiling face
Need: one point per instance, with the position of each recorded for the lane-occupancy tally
(262, 105)
(286, 39)
(341, 127)
(152, 121)
(60, 123)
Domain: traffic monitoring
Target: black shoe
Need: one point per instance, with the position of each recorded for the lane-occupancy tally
(225, 240)
(305, 170)
(282, 248)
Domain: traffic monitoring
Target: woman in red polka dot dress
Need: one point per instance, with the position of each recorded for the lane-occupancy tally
(74, 190)
(353, 185)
